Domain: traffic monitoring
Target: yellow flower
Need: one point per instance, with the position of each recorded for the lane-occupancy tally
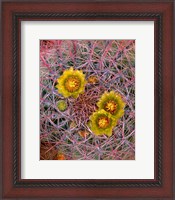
(112, 103)
(71, 83)
(102, 122)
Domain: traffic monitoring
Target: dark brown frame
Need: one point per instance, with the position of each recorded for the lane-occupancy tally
(161, 12)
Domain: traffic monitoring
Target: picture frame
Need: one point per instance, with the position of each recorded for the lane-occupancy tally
(13, 13)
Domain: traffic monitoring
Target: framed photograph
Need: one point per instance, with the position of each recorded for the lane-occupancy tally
(87, 99)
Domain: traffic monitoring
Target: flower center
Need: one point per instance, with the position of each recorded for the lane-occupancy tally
(111, 106)
(72, 84)
(103, 122)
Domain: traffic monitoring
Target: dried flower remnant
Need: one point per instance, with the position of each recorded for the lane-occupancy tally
(83, 133)
(112, 103)
(71, 83)
(102, 122)
(60, 156)
(62, 105)
(93, 80)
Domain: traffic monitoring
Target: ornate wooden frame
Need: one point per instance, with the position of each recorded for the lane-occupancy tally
(162, 14)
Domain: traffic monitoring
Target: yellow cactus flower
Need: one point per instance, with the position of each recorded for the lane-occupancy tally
(112, 103)
(71, 83)
(102, 122)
